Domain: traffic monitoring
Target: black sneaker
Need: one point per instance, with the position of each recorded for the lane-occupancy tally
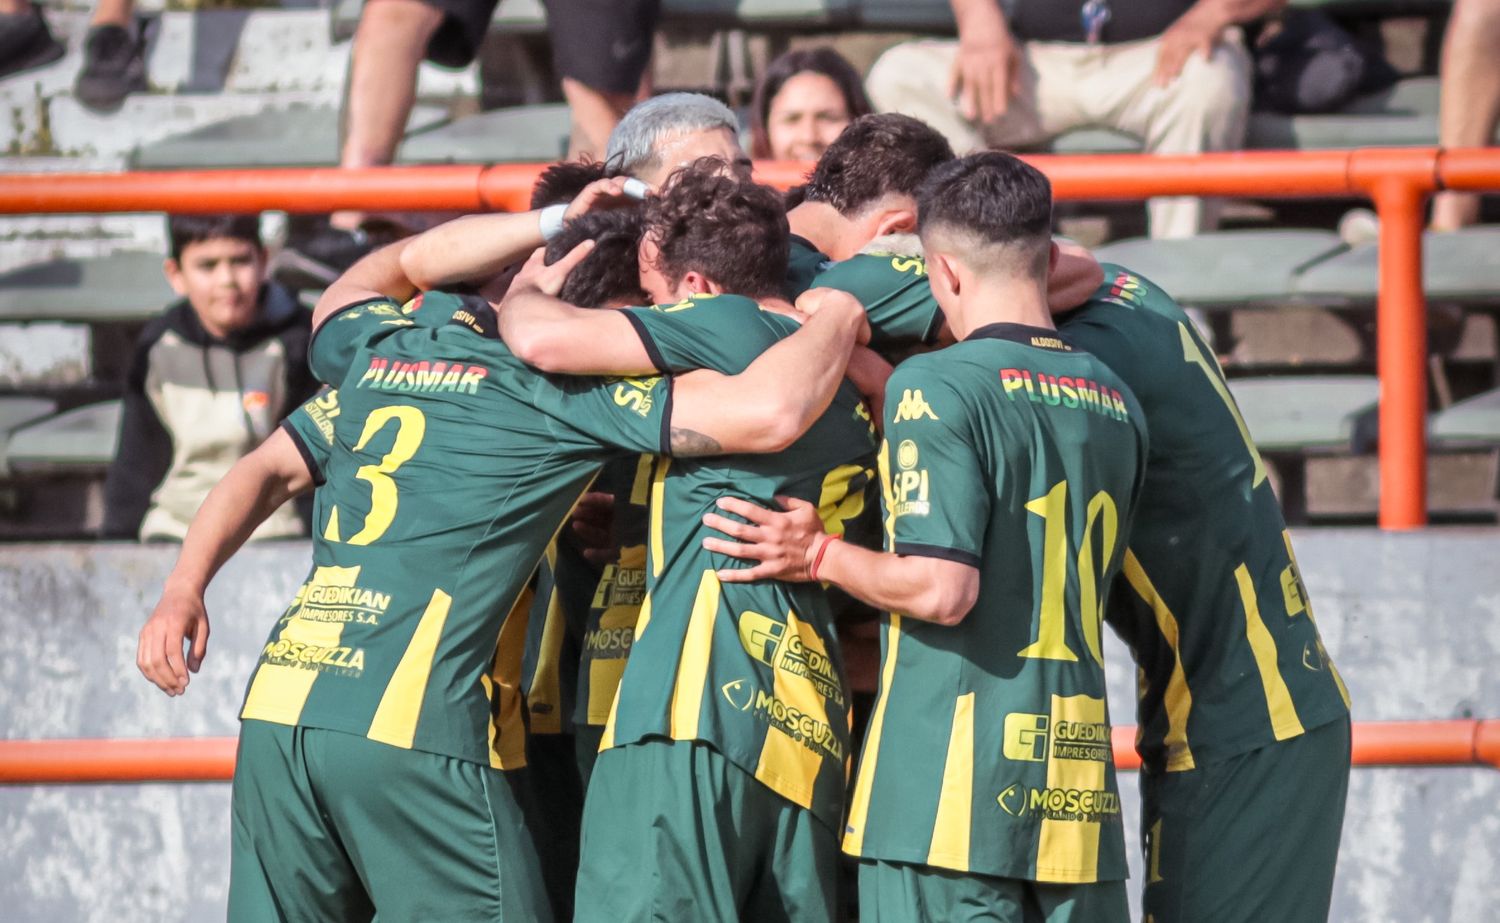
(114, 66)
(26, 42)
(315, 257)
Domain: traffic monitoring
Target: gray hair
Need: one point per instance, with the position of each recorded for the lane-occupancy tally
(636, 142)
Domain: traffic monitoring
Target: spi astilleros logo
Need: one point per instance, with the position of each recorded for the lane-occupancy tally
(636, 394)
(913, 407)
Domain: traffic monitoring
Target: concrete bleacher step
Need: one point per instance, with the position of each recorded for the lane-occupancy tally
(1457, 267)
(16, 412)
(78, 440)
(119, 287)
(295, 136)
(1300, 413)
(519, 134)
(1227, 269)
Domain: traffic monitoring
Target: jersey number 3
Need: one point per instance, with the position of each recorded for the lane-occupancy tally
(411, 426)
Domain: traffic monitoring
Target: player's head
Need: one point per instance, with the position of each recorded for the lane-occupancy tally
(561, 182)
(870, 176)
(670, 131)
(989, 216)
(708, 231)
(607, 277)
(217, 263)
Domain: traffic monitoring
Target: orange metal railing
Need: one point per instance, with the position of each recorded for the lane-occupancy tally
(1466, 742)
(1397, 181)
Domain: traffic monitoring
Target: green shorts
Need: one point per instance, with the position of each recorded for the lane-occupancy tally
(674, 831)
(333, 826)
(1252, 838)
(900, 892)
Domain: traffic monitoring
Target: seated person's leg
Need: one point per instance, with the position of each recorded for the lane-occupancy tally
(1469, 105)
(600, 49)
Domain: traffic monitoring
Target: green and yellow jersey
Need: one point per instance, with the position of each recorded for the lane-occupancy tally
(451, 467)
(559, 611)
(311, 429)
(1210, 599)
(892, 287)
(988, 749)
(753, 670)
(615, 604)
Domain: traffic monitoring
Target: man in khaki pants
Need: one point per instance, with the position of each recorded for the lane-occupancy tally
(1175, 73)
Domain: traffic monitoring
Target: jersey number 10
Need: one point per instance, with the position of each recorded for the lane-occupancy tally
(1051, 642)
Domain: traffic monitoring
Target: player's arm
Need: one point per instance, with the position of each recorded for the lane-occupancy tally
(777, 397)
(549, 334)
(477, 248)
(253, 489)
(792, 545)
(377, 275)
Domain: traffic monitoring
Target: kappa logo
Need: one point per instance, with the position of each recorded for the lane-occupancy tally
(913, 407)
(737, 692)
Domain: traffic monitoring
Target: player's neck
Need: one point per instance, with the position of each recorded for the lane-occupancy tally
(821, 225)
(778, 305)
(996, 301)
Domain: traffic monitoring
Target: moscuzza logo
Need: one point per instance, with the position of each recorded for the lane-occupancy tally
(314, 656)
(737, 692)
(1082, 805)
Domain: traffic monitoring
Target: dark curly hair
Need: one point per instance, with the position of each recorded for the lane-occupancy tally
(609, 274)
(876, 156)
(562, 182)
(731, 230)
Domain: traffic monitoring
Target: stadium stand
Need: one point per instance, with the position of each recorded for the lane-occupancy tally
(121, 286)
(78, 441)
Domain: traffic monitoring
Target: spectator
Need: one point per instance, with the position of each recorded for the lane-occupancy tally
(666, 132)
(114, 64)
(600, 49)
(211, 378)
(802, 102)
(1469, 104)
(1173, 72)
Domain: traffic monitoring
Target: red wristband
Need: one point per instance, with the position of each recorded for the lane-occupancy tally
(822, 550)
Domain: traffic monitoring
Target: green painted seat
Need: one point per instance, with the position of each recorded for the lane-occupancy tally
(121, 286)
(1298, 413)
(16, 412)
(1227, 269)
(521, 134)
(1457, 267)
(80, 439)
(299, 136)
(1476, 419)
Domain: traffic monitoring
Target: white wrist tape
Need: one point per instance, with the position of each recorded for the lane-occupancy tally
(551, 222)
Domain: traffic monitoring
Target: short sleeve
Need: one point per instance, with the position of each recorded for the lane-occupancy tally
(937, 499)
(311, 429)
(895, 294)
(724, 333)
(354, 327)
(631, 414)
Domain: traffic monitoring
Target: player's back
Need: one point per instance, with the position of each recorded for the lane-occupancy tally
(1019, 456)
(1210, 598)
(753, 669)
(452, 466)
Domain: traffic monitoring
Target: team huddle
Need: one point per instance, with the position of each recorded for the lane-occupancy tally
(613, 497)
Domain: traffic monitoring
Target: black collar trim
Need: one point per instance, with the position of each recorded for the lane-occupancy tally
(1025, 334)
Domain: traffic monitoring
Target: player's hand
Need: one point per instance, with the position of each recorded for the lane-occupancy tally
(537, 276)
(610, 192)
(986, 71)
(817, 300)
(593, 525)
(781, 543)
(179, 617)
(1190, 34)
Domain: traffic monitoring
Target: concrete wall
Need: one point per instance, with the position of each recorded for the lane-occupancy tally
(1413, 621)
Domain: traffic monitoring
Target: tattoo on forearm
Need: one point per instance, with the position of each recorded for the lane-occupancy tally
(687, 443)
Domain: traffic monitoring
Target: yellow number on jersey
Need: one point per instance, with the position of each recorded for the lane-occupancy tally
(411, 426)
(843, 496)
(1195, 356)
(1051, 643)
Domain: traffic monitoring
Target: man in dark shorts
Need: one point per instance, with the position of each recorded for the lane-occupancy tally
(600, 50)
